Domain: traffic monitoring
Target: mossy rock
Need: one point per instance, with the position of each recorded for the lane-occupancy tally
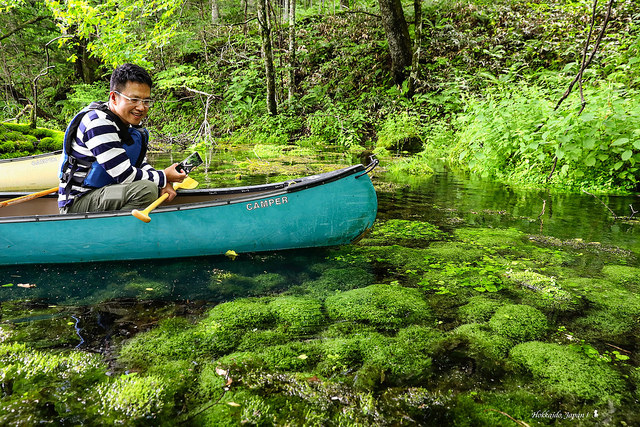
(177, 339)
(46, 385)
(406, 359)
(340, 355)
(243, 314)
(488, 408)
(297, 315)
(335, 279)
(613, 310)
(295, 356)
(478, 309)
(399, 231)
(386, 307)
(256, 338)
(506, 239)
(146, 289)
(627, 276)
(454, 252)
(542, 291)
(562, 371)
(484, 345)
(133, 398)
(519, 323)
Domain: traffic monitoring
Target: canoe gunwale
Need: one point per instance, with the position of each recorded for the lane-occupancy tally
(29, 158)
(243, 195)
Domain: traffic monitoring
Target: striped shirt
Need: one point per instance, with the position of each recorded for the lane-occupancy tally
(97, 140)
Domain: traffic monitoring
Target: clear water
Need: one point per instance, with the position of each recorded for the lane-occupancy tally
(447, 199)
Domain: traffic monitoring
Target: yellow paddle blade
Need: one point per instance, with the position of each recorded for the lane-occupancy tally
(188, 184)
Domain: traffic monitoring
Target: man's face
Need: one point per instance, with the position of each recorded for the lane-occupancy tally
(129, 111)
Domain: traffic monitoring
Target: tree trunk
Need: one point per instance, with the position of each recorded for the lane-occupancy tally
(417, 7)
(292, 51)
(215, 12)
(395, 26)
(267, 52)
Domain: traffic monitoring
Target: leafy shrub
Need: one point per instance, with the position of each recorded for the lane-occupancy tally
(401, 132)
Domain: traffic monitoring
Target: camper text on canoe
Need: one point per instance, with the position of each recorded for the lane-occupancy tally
(267, 203)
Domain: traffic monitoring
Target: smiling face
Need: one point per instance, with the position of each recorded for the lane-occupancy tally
(130, 112)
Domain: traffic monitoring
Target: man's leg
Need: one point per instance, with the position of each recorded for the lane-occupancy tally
(117, 197)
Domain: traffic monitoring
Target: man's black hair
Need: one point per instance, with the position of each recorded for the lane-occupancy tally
(129, 73)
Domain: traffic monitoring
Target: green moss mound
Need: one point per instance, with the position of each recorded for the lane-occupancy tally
(297, 316)
(519, 323)
(18, 140)
(568, 374)
(387, 307)
(482, 343)
(478, 309)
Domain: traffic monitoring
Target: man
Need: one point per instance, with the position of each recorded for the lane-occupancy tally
(104, 165)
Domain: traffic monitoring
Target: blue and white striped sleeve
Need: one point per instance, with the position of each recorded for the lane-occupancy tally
(102, 140)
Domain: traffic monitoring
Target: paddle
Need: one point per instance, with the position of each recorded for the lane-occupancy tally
(27, 197)
(188, 183)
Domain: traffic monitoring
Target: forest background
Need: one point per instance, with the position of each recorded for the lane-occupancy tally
(538, 93)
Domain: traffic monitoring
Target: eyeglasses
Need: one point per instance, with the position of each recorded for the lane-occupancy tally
(145, 102)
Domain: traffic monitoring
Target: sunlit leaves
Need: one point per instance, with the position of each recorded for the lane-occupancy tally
(118, 31)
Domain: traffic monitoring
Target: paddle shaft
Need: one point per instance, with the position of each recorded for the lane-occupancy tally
(144, 214)
(27, 197)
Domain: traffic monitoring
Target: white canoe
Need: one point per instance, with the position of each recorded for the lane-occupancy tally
(30, 173)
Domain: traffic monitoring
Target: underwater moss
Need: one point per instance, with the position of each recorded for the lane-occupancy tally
(484, 346)
(519, 323)
(568, 374)
(627, 276)
(244, 313)
(47, 386)
(340, 355)
(178, 339)
(478, 309)
(256, 338)
(133, 397)
(499, 408)
(387, 307)
(399, 231)
(613, 311)
(542, 291)
(297, 315)
(336, 279)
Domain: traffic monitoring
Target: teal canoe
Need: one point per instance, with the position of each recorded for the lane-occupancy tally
(328, 209)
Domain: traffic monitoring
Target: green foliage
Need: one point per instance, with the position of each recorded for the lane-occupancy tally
(514, 136)
(562, 371)
(387, 307)
(140, 26)
(519, 323)
(401, 132)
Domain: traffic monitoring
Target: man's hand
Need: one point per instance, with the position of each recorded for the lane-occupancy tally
(168, 189)
(174, 176)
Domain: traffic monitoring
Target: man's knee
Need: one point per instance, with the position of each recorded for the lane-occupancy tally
(143, 192)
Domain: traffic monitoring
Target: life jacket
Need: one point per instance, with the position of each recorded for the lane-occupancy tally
(135, 141)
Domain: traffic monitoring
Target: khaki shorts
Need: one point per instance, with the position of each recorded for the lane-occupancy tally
(116, 197)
